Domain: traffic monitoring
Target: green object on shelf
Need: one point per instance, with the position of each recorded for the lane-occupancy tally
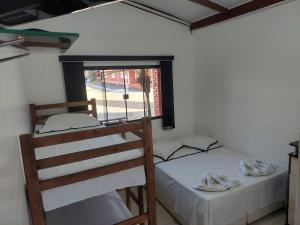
(37, 32)
(21, 40)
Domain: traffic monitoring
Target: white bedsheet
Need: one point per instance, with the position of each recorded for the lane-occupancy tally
(68, 194)
(176, 179)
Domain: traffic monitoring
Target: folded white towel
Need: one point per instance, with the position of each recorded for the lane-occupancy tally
(253, 167)
(213, 182)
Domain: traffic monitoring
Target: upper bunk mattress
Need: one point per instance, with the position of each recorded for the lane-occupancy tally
(68, 194)
(176, 179)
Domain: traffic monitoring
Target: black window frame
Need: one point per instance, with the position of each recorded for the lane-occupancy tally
(72, 67)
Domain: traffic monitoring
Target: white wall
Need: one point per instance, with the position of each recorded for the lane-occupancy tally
(14, 118)
(246, 84)
(247, 75)
(117, 29)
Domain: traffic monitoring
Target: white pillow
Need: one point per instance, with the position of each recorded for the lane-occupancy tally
(198, 142)
(66, 121)
(163, 148)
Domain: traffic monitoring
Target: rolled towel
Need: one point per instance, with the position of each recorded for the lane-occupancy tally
(253, 167)
(213, 182)
(260, 168)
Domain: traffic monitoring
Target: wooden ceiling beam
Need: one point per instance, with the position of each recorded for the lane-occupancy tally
(234, 12)
(212, 5)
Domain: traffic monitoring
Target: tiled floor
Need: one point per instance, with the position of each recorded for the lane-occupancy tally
(277, 218)
(164, 218)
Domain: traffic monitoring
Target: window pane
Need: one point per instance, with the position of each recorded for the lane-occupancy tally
(95, 89)
(114, 83)
(125, 94)
(135, 101)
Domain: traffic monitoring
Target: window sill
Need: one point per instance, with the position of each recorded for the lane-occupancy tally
(152, 118)
(104, 122)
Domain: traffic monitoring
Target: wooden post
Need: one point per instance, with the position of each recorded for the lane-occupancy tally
(149, 168)
(297, 200)
(94, 107)
(123, 135)
(127, 191)
(33, 116)
(141, 201)
(32, 181)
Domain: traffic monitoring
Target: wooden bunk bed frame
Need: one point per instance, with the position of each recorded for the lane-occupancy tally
(34, 186)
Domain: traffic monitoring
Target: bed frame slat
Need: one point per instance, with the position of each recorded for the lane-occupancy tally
(88, 154)
(90, 174)
(85, 134)
(63, 105)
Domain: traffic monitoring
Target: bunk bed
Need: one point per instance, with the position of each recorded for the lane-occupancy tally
(77, 182)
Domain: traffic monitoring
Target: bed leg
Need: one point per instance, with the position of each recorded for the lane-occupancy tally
(32, 182)
(127, 191)
(141, 200)
(149, 168)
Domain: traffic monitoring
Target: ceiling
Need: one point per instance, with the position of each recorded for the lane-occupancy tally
(14, 12)
(189, 10)
(201, 13)
(193, 13)
(185, 9)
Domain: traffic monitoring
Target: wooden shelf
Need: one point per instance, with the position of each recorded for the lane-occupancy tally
(25, 39)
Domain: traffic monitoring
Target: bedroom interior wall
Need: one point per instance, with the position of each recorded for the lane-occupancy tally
(14, 118)
(116, 29)
(247, 75)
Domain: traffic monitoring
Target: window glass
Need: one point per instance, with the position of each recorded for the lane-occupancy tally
(114, 88)
(130, 93)
(94, 80)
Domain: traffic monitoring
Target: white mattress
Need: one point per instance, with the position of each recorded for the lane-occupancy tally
(68, 194)
(176, 179)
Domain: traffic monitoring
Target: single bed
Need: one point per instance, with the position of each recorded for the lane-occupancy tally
(256, 197)
(64, 168)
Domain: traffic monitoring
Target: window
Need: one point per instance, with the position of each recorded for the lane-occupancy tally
(80, 76)
(129, 92)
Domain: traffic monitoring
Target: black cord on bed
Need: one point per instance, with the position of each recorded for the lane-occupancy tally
(169, 158)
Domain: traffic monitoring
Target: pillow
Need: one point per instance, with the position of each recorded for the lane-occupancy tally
(198, 142)
(163, 148)
(66, 121)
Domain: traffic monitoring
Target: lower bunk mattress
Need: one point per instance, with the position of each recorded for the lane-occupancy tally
(107, 209)
(177, 178)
